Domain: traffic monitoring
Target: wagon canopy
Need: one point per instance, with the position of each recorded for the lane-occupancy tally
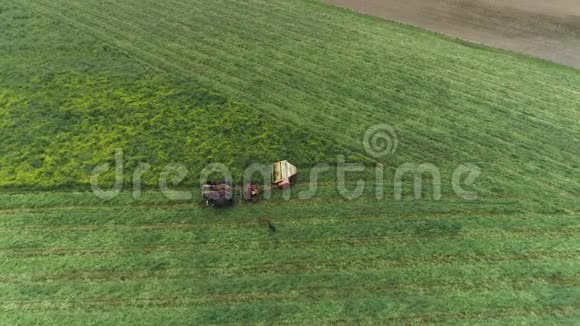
(283, 171)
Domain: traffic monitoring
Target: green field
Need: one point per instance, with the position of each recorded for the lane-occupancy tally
(239, 82)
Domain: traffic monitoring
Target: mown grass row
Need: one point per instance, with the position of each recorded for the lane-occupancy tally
(263, 257)
(183, 316)
(476, 275)
(508, 303)
(184, 296)
(175, 237)
(139, 218)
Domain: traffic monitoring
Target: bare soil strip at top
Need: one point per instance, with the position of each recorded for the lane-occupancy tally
(545, 29)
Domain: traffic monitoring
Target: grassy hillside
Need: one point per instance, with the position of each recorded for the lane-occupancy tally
(330, 72)
(68, 101)
(195, 82)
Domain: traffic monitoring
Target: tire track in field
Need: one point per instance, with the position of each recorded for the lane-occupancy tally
(256, 296)
(316, 220)
(198, 274)
(244, 244)
(379, 264)
(483, 206)
(375, 263)
(352, 216)
(511, 282)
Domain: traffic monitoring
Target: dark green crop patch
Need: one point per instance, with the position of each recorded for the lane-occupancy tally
(55, 135)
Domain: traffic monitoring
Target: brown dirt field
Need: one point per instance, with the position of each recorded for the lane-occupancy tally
(548, 29)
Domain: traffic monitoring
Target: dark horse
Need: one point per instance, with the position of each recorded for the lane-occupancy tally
(217, 195)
